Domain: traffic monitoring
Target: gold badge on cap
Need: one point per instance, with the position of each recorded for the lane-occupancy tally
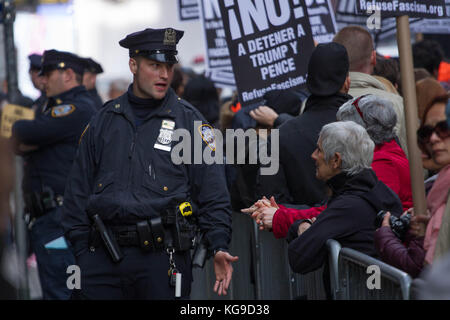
(170, 37)
(61, 65)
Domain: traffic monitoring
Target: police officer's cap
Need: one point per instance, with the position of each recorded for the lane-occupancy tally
(92, 66)
(54, 59)
(35, 61)
(154, 44)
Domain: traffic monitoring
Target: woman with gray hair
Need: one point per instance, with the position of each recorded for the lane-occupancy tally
(343, 157)
(390, 164)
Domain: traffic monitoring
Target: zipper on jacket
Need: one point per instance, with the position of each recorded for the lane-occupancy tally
(130, 156)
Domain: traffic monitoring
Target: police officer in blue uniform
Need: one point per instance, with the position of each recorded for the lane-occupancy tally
(125, 185)
(49, 143)
(91, 70)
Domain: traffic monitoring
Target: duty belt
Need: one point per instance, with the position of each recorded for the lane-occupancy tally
(147, 234)
(38, 204)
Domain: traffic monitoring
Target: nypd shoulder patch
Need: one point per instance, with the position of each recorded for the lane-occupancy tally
(62, 110)
(207, 133)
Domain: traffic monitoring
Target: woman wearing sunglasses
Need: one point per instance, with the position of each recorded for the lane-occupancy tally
(434, 138)
(418, 250)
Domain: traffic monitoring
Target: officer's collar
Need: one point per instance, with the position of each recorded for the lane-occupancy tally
(62, 97)
(166, 111)
(141, 102)
(168, 105)
(93, 90)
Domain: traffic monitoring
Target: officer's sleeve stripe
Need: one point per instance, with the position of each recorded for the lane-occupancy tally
(84, 131)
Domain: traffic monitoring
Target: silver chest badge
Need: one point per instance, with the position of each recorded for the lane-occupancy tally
(165, 135)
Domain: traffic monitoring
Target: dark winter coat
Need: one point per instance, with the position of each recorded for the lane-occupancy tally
(408, 257)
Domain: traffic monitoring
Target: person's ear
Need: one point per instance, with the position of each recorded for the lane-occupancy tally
(133, 65)
(68, 75)
(373, 58)
(347, 83)
(337, 161)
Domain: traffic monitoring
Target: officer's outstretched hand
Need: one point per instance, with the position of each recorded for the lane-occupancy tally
(223, 270)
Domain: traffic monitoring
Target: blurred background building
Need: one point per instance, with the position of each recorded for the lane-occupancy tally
(92, 28)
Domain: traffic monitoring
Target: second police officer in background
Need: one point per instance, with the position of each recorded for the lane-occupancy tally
(125, 184)
(91, 70)
(49, 144)
(36, 79)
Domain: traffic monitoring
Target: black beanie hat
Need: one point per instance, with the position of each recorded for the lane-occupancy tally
(327, 69)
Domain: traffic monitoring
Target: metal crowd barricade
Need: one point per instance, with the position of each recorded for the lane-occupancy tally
(334, 248)
(353, 278)
(308, 286)
(262, 271)
(274, 278)
(243, 283)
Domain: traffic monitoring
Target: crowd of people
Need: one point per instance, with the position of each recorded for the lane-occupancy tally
(343, 173)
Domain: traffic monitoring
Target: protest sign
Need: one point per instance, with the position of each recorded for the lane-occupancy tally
(188, 9)
(270, 42)
(411, 8)
(218, 62)
(347, 14)
(321, 18)
(435, 26)
(10, 114)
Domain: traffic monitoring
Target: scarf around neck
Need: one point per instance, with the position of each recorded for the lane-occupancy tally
(436, 201)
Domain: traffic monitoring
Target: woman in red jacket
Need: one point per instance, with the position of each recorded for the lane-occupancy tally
(390, 164)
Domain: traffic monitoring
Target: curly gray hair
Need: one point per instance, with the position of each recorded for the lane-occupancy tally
(377, 116)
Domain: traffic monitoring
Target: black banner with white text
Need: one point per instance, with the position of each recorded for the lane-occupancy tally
(218, 62)
(412, 8)
(188, 9)
(270, 42)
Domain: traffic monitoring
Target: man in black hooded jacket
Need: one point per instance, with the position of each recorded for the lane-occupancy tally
(328, 82)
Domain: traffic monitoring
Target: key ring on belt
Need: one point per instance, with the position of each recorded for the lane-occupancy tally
(172, 266)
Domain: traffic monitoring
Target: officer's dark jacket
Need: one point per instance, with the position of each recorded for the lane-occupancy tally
(121, 176)
(96, 97)
(39, 103)
(56, 131)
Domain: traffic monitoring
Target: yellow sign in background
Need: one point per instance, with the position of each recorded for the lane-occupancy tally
(10, 114)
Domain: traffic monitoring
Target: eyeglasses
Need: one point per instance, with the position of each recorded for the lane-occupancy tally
(424, 133)
(355, 104)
